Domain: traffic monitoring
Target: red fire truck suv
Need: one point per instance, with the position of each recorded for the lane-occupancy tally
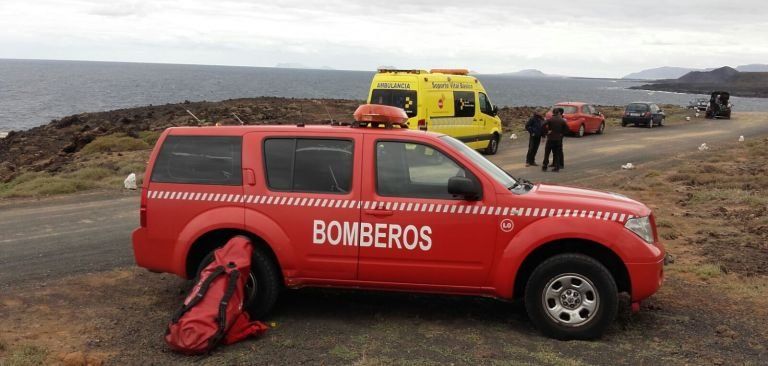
(372, 205)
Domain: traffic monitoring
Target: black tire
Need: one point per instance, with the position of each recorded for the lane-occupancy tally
(601, 129)
(493, 145)
(266, 277)
(623, 124)
(604, 294)
(650, 123)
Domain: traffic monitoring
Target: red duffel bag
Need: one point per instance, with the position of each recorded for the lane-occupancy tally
(213, 311)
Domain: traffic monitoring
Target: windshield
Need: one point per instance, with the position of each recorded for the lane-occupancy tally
(567, 109)
(497, 173)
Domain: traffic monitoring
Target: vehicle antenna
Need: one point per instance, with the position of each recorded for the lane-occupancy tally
(193, 116)
(326, 110)
(238, 119)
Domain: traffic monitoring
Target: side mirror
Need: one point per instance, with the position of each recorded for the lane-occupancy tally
(465, 187)
(495, 110)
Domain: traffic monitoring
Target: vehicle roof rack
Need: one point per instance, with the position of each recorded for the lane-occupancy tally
(378, 115)
(450, 71)
(407, 71)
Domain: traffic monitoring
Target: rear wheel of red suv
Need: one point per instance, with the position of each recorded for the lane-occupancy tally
(571, 296)
(263, 285)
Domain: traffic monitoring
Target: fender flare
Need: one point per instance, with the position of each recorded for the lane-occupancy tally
(275, 237)
(548, 230)
(230, 217)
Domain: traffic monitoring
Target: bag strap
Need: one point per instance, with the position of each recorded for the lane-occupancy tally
(222, 319)
(199, 295)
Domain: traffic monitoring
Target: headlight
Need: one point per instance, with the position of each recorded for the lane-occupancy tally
(641, 226)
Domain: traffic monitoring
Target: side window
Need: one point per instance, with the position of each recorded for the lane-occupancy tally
(214, 160)
(309, 165)
(464, 103)
(485, 104)
(406, 169)
(587, 109)
(654, 108)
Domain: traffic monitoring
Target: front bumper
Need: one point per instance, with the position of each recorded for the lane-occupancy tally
(646, 278)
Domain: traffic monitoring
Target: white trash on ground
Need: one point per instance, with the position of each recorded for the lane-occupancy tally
(697, 114)
(628, 166)
(513, 136)
(741, 138)
(703, 147)
(130, 181)
(687, 118)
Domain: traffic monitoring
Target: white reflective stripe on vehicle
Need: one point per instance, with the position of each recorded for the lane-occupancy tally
(436, 208)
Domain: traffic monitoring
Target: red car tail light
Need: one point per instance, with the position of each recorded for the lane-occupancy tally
(143, 208)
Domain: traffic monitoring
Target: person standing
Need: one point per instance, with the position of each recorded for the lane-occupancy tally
(534, 126)
(555, 128)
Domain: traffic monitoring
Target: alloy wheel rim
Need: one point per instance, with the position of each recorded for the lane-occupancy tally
(570, 300)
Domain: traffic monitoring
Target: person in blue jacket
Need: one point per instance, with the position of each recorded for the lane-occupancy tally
(535, 129)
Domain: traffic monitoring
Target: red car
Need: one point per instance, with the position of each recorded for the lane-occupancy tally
(394, 209)
(581, 117)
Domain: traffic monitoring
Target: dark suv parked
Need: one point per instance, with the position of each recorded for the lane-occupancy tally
(719, 105)
(643, 113)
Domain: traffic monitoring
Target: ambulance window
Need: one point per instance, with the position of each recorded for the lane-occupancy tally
(214, 160)
(309, 165)
(414, 170)
(485, 104)
(405, 99)
(464, 104)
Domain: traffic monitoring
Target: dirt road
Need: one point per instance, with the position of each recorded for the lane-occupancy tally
(51, 238)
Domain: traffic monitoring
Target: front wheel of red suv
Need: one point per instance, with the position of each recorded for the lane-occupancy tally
(581, 131)
(571, 296)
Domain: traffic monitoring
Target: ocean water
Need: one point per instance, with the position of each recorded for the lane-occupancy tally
(32, 92)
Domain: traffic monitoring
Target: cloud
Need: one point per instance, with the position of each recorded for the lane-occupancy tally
(593, 38)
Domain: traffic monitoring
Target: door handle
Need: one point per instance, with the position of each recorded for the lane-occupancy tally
(380, 213)
(250, 177)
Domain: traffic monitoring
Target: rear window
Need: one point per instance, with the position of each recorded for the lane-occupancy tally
(214, 160)
(567, 109)
(309, 165)
(405, 99)
(637, 107)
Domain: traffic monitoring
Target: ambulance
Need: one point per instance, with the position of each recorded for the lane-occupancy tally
(447, 101)
(376, 205)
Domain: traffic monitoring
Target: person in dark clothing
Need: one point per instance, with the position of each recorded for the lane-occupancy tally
(535, 128)
(556, 128)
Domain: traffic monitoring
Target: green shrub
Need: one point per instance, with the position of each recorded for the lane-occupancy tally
(114, 143)
(150, 137)
(26, 355)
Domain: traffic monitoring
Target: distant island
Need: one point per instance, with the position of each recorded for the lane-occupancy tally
(738, 83)
(670, 72)
(528, 73)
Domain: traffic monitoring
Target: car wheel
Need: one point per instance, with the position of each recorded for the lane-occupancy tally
(650, 123)
(571, 296)
(267, 285)
(624, 124)
(581, 131)
(263, 285)
(493, 145)
(601, 129)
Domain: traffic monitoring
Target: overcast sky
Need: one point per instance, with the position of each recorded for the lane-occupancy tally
(580, 38)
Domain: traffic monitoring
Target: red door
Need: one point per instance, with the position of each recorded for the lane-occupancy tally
(412, 230)
(308, 186)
